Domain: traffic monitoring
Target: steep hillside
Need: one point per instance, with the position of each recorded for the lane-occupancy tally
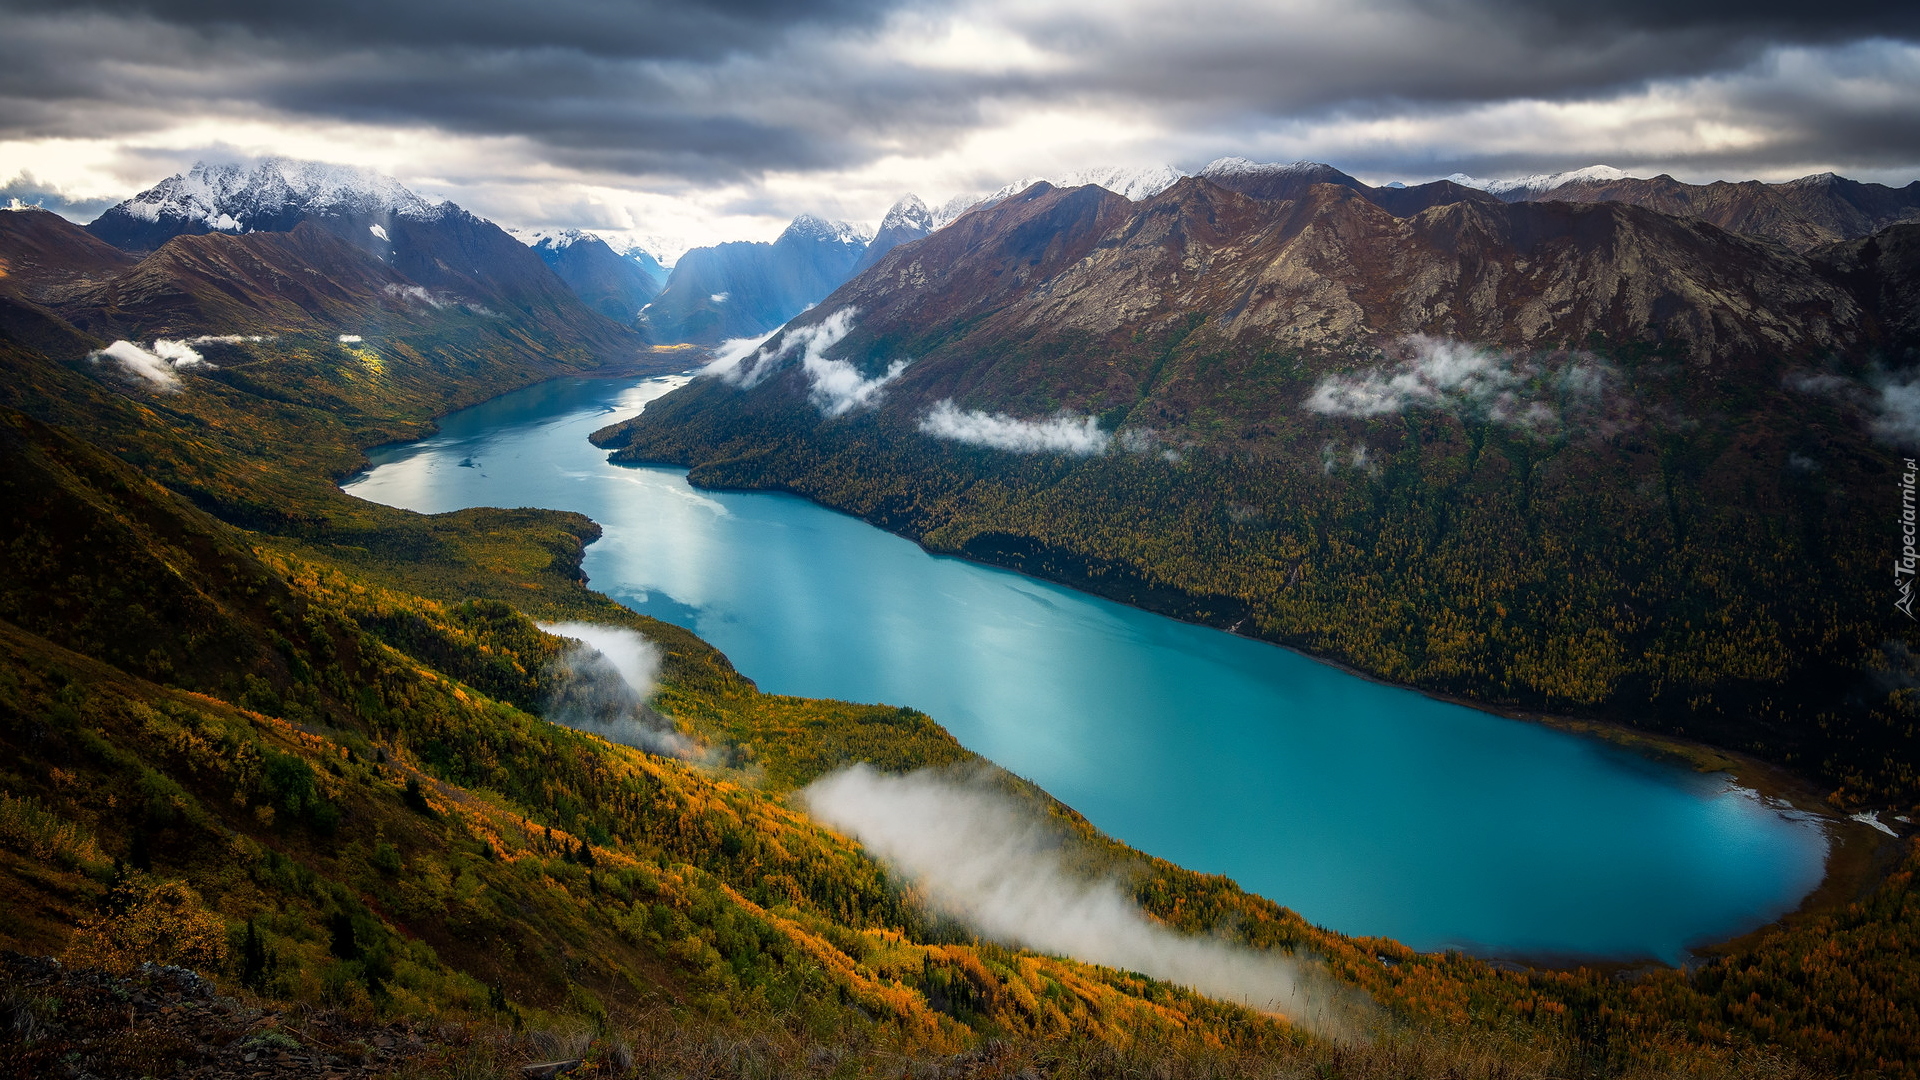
(294, 741)
(1884, 271)
(744, 289)
(46, 256)
(221, 224)
(1582, 458)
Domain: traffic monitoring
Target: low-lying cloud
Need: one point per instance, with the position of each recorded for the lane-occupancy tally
(835, 387)
(415, 294)
(1469, 381)
(161, 363)
(1889, 400)
(1897, 411)
(1063, 434)
(982, 858)
(600, 684)
(740, 361)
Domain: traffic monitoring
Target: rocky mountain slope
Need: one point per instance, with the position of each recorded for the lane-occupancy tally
(389, 254)
(272, 196)
(1578, 456)
(295, 741)
(1330, 270)
(1803, 214)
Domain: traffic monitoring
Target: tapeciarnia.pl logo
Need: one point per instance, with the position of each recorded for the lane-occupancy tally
(1903, 567)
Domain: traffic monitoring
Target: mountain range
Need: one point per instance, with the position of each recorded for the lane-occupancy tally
(1585, 457)
(1512, 451)
(296, 247)
(746, 288)
(614, 284)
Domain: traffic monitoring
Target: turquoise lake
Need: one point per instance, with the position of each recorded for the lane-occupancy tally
(1368, 809)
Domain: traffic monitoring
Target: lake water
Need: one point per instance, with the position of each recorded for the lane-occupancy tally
(1368, 809)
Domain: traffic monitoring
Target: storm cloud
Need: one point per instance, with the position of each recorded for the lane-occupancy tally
(599, 113)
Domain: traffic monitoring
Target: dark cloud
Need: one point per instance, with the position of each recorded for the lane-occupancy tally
(1778, 20)
(700, 92)
(635, 29)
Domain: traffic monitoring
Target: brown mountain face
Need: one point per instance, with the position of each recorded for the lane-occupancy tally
(304, 280)
(1325, 278)
(1583, 457)
(1287, 182)
(1803, 214)
(43, 256)
(1884, 271)
(467, 278)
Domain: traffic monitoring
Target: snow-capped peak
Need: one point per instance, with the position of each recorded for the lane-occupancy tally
(1135, 184)
(553, 239)
(228, 198)
(814, 227)
(1527, 187)
(948, 211)
(908, 215)
(1240, 167)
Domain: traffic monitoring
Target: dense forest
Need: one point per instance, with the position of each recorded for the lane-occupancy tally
(1701, 554)
(292, 740)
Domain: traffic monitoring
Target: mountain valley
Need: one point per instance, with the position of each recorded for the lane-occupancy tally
(1586, 458)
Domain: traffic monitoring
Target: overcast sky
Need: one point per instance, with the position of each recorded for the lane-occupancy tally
(690, 123)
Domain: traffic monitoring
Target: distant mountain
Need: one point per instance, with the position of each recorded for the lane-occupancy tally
(1134, 184)
(48, 256)
(615, 285)
(1294, 180)
(273, 196)
(1538, 184)
(1803, 214)
(428, 259)
(909, 219)
(746, 288)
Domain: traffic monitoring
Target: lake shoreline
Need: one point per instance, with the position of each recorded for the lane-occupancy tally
(1844, 875)
(1858, 856)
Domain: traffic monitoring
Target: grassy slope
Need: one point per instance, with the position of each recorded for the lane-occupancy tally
(322, 727)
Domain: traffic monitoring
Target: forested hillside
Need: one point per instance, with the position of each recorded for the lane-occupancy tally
(294, 741)
(1585, 459)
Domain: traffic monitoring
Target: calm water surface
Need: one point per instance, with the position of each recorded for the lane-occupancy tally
(1368, 809)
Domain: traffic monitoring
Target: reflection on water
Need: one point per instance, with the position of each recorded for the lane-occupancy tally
(1369, 809)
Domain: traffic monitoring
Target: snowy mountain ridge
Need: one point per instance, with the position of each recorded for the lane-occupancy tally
(228, 198)
(1527, 187)
(814, 227)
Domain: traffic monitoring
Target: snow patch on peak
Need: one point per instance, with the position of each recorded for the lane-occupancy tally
(1528, 187)
(814, 227)
(908, 214)
(226, 197)
(950, 210)
(1239, 166)
(1136, 184)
